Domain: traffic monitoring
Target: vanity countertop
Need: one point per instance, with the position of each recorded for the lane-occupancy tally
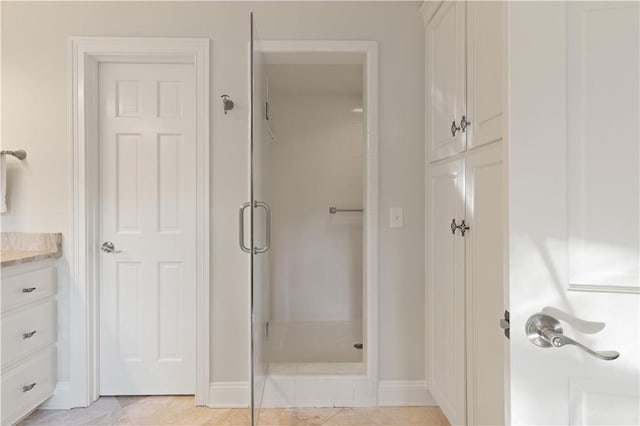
(22, 247)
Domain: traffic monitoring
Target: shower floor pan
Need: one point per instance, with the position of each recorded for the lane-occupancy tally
(315, 347)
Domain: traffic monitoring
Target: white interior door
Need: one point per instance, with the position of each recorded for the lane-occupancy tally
(445, 72)
(446, 298)
(147, 211)
(574, 210)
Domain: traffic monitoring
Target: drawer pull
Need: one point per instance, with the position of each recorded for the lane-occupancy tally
(28, 387)
(28, 290)
(28, 335)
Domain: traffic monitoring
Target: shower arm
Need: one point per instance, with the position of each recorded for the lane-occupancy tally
(21, 154)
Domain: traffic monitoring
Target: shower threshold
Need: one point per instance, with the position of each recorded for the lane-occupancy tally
(316, 368)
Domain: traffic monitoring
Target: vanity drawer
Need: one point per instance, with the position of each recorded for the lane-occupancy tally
(28, 286)
(28, 385)
(26, 330)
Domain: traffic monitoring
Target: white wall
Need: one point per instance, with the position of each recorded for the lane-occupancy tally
(316, 161)
(35, 117)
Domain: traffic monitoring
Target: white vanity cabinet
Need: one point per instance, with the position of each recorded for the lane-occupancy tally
(465, 208)
(29, 328)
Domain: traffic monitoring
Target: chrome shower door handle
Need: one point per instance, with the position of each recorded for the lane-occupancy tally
(267, 243)
(243, 207)
(546, 331)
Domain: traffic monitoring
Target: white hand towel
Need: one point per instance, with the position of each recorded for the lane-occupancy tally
(3, 183)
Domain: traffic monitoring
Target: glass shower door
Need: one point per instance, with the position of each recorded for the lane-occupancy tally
(260, 229)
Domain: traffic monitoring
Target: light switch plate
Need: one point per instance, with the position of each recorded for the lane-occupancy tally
(396, 217)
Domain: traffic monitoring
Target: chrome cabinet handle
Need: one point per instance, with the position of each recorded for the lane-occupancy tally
(453, 226)
(243, 207)
(464, 124)
(28, 387)
(463, 227)
(109, 247)
(546, 331)
(454, 128)
(28, 290)
(28, 335)
(267, 243)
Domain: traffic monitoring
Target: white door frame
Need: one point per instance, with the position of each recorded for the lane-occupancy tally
(86, 53)
(367, 392)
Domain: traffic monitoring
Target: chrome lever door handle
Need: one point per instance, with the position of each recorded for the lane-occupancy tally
(546, 331)
(558, 340)
(267, 243)
(109, 247)
(243, 207)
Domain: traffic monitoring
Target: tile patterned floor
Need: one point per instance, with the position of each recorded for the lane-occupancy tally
(180, 410)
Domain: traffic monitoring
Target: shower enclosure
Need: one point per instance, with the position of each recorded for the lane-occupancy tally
(305, 224)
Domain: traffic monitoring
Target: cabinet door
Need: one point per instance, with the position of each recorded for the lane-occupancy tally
(485, 75)
(445, 69)
(445, 290)
(484, 253)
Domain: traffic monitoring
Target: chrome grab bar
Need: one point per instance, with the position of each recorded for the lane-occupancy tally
(334, 210)
(243, 207)
(267, 243)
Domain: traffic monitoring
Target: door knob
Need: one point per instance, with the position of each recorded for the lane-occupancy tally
(109, 247)
(546, 331)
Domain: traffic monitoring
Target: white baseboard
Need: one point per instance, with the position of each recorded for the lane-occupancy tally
(398, 393)
(61, 399)
(229, 395)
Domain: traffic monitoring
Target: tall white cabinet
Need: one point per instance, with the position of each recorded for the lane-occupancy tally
(466, 215)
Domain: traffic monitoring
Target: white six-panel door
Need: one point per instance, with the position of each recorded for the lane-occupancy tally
(147, 210)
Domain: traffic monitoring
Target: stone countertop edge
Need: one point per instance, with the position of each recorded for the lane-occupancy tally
(19, 247)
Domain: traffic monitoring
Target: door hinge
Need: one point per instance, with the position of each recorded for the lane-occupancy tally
(266, 329)
(505, 323)
(266, 111)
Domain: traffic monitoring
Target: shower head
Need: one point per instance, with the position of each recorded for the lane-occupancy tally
(20, 154)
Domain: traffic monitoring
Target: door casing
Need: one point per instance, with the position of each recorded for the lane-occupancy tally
(85, 55)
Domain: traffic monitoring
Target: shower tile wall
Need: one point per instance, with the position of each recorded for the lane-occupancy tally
(317, 161)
